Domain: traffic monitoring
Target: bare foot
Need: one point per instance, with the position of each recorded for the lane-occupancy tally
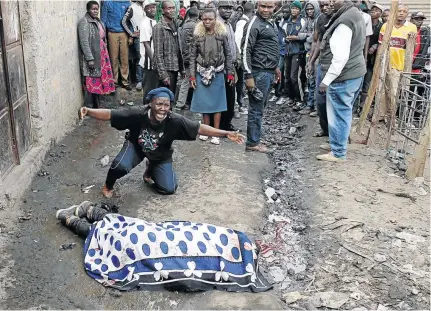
(107, 193)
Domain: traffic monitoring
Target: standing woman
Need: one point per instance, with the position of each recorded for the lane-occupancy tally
(94, 60)
(210, 59)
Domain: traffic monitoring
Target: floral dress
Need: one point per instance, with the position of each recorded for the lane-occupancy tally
(105, 83)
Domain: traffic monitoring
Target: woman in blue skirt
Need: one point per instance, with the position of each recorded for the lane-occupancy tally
(210, 61)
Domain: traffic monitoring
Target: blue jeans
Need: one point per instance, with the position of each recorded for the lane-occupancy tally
(340, 98)
(137, 55)
(321, 102)
(163, 174)
(262, 81)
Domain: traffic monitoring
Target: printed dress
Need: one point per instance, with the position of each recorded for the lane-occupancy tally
(129, 253)
(105, 83)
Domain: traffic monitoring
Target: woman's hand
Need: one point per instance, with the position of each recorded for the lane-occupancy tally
(236, 137)
(91, 64)
(192, 82)
(82, 113)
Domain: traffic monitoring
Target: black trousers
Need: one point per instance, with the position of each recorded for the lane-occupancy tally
(81, 226)
(173, 77)
(151, 82)
(226, 116)
(293, 63)
(240, 86)
(91, 100)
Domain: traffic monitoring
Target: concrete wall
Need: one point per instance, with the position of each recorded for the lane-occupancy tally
(51, 58)
(50, 43)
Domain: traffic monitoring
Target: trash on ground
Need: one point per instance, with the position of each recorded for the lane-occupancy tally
(86, 189)
(104, 161)
(67, 246)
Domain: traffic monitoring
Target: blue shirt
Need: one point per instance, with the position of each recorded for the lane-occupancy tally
(112, 14)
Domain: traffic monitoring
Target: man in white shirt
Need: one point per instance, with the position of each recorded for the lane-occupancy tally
(147, 48)
(343, 68)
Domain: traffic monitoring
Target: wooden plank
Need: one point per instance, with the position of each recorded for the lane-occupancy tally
(416, 165)
(410, 46)
(378, 67)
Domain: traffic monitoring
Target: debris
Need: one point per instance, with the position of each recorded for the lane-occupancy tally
(410, 238)
(115, 293)
(130, 103)
(291, 297)
(414, 291)
(192, 211)
(292, 130)
(349, 224)
(269, 193)
(277, 274)
(419, 181)
(277, 218)
(173, 303)
(67, 246)
(421, 191)
(397, 290)
(43, 173)
(399, 194)
(24, 218)
(351, 249)
(382, 308)
(332, 300)
(355, 296)
(379, 257)
(86, 189)
(104, 161)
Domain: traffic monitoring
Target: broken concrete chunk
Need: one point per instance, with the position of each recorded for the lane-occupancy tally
(379, 257)
(410, 238)
(332, 300)
(104, 161)
(291, 297)
(421, 191)
(277, 274)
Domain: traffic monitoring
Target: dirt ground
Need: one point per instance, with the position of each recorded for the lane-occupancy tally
(340, 236)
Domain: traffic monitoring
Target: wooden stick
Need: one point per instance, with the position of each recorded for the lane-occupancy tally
(378, 66)
(410, 46)
(416, 165)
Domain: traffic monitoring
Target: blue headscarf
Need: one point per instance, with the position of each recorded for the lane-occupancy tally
(160, 92)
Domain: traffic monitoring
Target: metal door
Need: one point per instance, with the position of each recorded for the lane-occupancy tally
(15, 136)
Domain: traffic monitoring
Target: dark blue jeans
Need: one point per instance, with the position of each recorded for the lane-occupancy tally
(163, 174)
(136, 55)
(262, 81)
(321, 103)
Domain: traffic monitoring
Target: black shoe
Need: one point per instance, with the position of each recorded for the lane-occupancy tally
(299, 106)
(127, 87)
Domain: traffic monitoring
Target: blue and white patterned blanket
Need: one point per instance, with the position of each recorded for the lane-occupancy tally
(129, 253)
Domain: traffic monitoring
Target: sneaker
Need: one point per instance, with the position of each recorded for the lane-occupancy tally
(305, 111)
(273, 98)
(107, 193)
(289, 101)
(203, 137)
(329, 157)
(127, 87)
(243, 110)
(215, 141)
(139, 86)
(237, 115)
(281, 101)
(313, 114)
(299, 106)
(326, 147)
(82, 209)
(179, 106)
(258, 148)
(65, 213)
(272, 91)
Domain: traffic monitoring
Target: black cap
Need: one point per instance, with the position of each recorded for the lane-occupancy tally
(418, 15)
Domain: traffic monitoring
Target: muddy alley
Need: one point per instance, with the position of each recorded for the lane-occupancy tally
(330, 235)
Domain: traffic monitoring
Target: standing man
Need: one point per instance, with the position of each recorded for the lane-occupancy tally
(260, 53)
(134, 16)
(397, 53)
(422, 42)
(306, 34)
(118, 46)
(146, 38)
(294, 54)
(225, 11)
(167, 55)
(319, 31)
(375, 13)
(186, 41)
(239, 32)
(343, 68)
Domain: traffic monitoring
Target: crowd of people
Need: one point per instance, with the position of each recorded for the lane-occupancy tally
(315, 56)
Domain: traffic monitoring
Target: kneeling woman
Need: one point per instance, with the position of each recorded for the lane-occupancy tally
(210, 59)
(130, 253)
(152, 130)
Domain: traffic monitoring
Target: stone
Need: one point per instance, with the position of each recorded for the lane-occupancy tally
(291, 297)
(104, 161)
(421, 191)
(332, 300)
(397, 291)
(382, 308)
(419, 181)
(292, 130)
(379, 257)
(277, 274)
(414, 291)
(410, 238)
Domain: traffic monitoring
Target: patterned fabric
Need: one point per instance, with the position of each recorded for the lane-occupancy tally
(104, 84)
(129, 253)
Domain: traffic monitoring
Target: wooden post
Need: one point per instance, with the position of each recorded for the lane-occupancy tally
(416, 165)
(379, 65)
(408, 62)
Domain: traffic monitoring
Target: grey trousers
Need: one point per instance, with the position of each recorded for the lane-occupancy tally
(184, 90)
